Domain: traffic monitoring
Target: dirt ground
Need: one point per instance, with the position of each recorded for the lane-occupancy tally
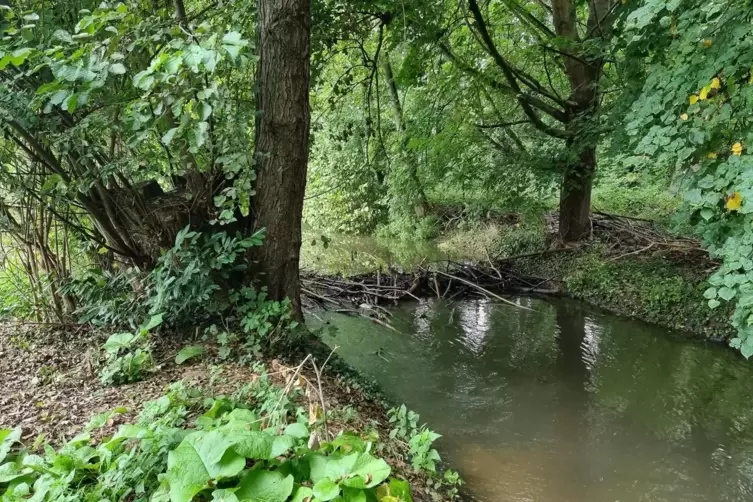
(50, 387)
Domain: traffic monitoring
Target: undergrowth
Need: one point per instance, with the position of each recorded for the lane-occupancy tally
(256, 445)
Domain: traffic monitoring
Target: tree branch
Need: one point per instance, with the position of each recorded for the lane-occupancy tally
(526, 102)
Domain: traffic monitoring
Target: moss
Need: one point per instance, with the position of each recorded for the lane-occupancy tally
(649, 288)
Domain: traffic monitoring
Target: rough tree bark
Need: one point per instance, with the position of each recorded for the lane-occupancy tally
(583, 72)
(282, 142)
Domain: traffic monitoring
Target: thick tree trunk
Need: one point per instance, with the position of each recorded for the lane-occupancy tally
(282, 141)
(575, 196)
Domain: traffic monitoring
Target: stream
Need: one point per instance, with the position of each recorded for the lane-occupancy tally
(556, 402)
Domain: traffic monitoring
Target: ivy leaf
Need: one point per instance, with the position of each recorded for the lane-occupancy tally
(727, 293)
(264, 486)
(326, 489)
(710, 293)
(189, 352)
(746, 349)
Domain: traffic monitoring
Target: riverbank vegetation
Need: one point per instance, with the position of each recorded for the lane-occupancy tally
(163, 163)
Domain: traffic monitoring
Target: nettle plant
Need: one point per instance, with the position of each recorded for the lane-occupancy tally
(694, 112)
(227, 456)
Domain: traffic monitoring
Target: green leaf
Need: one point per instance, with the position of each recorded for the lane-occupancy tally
(710, 293)
(167, 138)
(11, 470)
(727, 293)
(714, 303)
(280, 445)
(353, 495)
(232, 42)
(143, 80)
(332, 467)
(746, 350)
(199, 458)
(206, 110)
(63, 36)
(71, 103)
(189, 352)
(153, 322)
(302, 493)
(117, 68)
(19, 56)
(264, 486)
(224, 496)
(256, 445)
(118, 341)
(297, 430)
(326, 489)
(368, 471)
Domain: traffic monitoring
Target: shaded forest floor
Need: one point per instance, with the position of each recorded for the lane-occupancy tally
(51, 389)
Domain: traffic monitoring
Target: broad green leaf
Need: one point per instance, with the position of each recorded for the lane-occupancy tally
(396, 488)
(152, 323)
(280, 445)
(189, 352)
(332, 467)
(167, 138)
(199, 458)
(326, 489)
(367, 471)
(256, 445)
(726, 293)
(117, 69)
(233, 42)
(224, 496)
(59, 96)
(206, 110)
(297, 430)
(264, 486)
(353, 495)
(118, 341)
(63, 36)
(302, 493)
(11, 470)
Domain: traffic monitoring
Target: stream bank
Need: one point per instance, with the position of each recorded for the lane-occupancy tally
(631, 267)
(52, 391)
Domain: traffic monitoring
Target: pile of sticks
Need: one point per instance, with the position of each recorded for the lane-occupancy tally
(628, 236)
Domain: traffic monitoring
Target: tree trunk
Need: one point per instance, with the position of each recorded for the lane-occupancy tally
(282, 142)
(575, 196)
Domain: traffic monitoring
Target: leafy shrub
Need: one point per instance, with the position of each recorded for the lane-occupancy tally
(420, 438)
(128, 355)
(155, 460)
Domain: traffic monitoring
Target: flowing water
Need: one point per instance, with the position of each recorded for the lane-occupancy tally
(557, 403)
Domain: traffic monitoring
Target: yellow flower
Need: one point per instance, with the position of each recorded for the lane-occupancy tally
(707, 42)
(704, 93)
(684, 116)
(734, 202)
(711, 155)
(715, 83)
(693, 99)
(737, 149)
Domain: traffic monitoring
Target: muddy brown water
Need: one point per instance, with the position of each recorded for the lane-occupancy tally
(556, 402)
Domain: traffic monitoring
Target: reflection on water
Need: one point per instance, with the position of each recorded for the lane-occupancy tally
(554, 403)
